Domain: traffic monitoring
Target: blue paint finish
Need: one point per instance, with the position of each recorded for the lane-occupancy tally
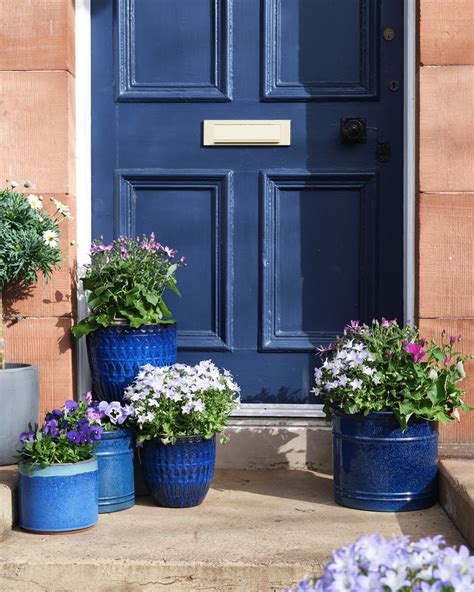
(58, 498)
(380, 468)
(179, 475)
(115, 453)
(117, 353)
(284, 244)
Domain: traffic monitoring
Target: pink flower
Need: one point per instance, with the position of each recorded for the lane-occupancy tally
(416, 350)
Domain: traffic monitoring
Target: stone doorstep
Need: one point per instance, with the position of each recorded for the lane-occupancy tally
(457, 494)
(256, 531)
(8, 485)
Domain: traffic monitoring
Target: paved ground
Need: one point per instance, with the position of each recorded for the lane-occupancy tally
(257, 530)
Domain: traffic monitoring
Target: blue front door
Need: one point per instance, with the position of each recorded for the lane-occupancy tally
(284, 244)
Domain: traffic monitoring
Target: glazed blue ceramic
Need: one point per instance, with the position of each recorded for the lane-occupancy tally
(179, 475)
(59, 498)
(378, 467)
(114, 453)
(117, 353)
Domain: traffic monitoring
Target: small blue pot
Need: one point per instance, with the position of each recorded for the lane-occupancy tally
(179, 475)
(117, 353)
(114, 454)
(380, 468)
(59, 498)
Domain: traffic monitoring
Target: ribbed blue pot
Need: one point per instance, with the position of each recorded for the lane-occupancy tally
(59, 498)
(380, 468)
(114, 454)
(179, 475)
(117, 353)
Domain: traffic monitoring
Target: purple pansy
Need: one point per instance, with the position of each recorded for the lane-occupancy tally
(70, 406)
(74, 437)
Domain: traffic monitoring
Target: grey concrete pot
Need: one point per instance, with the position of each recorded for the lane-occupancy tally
(19, 405)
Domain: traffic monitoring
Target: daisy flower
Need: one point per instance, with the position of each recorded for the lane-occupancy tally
(35, 201)
(50, 238)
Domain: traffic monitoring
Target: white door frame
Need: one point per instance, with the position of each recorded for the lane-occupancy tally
(84, 202)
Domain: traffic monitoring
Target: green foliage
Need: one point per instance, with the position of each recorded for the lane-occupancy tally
(29, 238)
(126, 280)
(385, 367)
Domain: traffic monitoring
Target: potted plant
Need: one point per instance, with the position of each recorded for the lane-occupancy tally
(58, 487)
(114, 452)
(29, 246)
(178, 411)
(374, 563)
(386, 389)
(129, 324)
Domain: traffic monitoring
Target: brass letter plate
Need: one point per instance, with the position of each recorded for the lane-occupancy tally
(247, 132)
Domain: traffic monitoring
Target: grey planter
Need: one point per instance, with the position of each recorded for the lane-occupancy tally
(19, 406)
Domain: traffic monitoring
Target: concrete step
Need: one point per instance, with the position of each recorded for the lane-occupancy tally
(456, 493)
(256, 530)
(8, 484)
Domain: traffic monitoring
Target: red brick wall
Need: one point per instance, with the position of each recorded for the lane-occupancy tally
(446, 182)
(37, 143)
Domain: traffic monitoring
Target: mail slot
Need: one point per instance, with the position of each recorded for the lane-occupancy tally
(247, 132)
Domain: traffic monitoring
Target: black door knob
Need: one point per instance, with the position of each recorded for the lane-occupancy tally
(354, 130)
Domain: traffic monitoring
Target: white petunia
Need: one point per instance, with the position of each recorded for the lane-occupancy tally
(50, 238)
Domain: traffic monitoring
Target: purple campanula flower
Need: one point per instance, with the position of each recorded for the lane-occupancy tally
(88, 397)
(452, 340)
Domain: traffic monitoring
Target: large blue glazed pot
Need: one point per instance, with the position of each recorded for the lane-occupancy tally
(380, 468)
(59, 498)
(179, 475)
(114, 453)
(117, 353)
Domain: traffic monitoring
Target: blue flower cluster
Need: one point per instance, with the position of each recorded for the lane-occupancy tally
(397, 565)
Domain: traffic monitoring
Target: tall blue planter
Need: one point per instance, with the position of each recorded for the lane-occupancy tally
(59, 498)
(380, 468)
(117, 353)
(179, 475)
(114, 453)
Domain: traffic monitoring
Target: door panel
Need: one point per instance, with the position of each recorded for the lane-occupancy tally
(320, 50)
(284, 244)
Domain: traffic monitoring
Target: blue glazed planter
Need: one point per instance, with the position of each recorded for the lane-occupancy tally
(59, 498)
(380, 468)
(117, 353)
(179, 475)
(114, 454)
